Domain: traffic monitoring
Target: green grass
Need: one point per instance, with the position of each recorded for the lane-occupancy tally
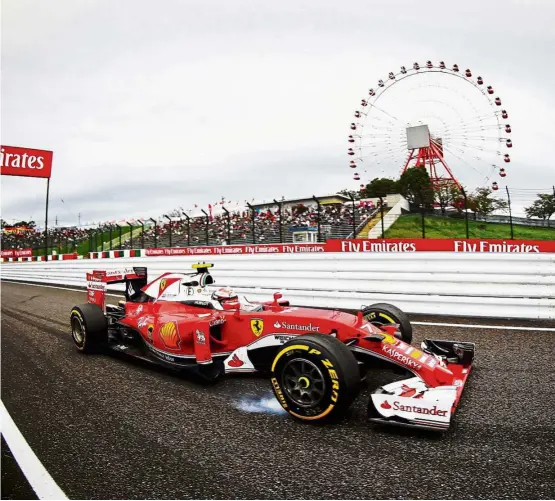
(410, 226)
(103, 242)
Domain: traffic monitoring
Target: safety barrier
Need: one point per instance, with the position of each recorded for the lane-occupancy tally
(498, 284)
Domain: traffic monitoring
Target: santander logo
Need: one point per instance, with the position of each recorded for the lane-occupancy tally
(397, 406)
(235, 361)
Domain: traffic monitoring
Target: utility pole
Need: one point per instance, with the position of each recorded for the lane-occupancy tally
(79, 218)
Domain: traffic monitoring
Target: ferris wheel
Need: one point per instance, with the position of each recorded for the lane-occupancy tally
(442, 119)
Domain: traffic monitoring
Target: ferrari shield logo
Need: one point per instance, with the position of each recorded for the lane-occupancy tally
(257, 326)
(163, 284)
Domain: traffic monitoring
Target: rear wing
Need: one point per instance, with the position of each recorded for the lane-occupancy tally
(97, 282)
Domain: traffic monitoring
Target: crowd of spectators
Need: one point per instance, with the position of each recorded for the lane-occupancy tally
(336, 221)
(58, 238)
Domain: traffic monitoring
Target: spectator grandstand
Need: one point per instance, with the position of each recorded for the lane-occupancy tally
(260, 223)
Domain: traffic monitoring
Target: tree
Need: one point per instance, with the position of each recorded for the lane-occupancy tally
(381, 187)
(353, 193)
(543, 207)
(449, 196)
(483, 204)
(415, 185)
(28, 224)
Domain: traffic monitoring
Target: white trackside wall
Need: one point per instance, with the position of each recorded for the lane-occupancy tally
(502, 285)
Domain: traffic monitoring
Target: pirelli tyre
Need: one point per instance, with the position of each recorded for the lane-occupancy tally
(315, 377)
(89, 328)
(380, 314)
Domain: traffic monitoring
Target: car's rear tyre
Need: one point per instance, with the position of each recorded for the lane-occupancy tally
(381, 314)
(89, 328)
(315, 377)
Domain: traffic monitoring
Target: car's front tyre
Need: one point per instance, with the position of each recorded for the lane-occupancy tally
(315, 377)
(381, 314)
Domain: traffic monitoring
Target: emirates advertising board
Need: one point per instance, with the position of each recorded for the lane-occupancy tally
(26, 162)
(369, 246)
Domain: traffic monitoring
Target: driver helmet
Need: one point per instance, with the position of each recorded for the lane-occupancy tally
(226, 296)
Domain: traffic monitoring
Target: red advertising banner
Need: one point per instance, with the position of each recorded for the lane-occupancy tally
(442, 245)
(16, 161)
(368, 246)
(17, 253)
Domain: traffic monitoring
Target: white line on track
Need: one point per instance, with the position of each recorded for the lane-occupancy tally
(40, 480)
(434, 324)
(497, 327)
(54, 287)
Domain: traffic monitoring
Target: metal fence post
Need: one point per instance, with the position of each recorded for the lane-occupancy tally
(110, 236)
(228, 225)
(142, 233)
(465, 212)
(319, 227)
(510, 213)
(188, 229)
(422, 213)
(381, 213)
(130, 235)
(253, 210)
(354, 222)
(155, 233)
(280, 229)
(207, 222)
(170, 220)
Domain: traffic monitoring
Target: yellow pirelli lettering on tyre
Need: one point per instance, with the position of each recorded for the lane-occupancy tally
(279, 393)
(314, 351)
(312, 418)
(388, 318)
(287, 350)
(334, 390)
(78, 313)
(327, 363)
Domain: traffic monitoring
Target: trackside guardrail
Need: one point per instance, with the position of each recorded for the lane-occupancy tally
(498, 284)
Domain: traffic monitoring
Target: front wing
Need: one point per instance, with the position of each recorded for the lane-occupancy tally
(411, 402)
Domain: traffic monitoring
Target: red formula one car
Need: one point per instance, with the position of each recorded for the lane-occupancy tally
(316, 358)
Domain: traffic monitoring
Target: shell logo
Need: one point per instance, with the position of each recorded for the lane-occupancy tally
(170, 336)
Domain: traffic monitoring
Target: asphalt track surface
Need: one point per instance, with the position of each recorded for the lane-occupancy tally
(108, 428)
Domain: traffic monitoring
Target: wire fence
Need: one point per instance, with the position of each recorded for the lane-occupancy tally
(283, 223)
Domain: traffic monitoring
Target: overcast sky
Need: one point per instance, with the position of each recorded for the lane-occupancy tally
(151, 105)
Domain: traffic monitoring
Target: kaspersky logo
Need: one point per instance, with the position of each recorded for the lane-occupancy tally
(296, 327)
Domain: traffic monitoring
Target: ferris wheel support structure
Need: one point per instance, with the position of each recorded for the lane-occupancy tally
(429, 156)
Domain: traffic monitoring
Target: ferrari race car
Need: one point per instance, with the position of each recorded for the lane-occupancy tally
(316, 358)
